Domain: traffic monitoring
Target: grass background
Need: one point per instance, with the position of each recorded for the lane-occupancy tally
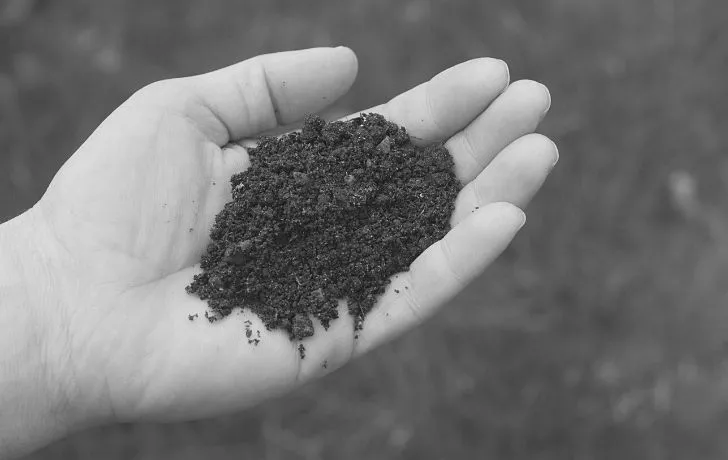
(601, 334)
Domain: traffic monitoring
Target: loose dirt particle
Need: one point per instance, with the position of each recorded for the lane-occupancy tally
(302, 326)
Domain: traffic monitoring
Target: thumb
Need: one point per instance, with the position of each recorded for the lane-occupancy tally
(258, 94)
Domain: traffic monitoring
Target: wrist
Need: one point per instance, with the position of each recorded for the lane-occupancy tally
(34, 407)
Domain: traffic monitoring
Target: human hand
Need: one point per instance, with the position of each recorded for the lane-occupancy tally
(125, 221)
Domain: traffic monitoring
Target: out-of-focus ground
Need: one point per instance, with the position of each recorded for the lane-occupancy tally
(601, 334)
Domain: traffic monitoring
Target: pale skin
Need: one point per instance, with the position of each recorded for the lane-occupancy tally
(94, 324)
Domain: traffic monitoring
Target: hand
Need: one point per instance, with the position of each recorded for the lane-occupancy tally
(126, 219)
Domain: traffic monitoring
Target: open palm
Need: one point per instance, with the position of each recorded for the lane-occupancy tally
(127, 219)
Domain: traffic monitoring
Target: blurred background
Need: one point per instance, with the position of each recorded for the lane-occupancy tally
(601, 334)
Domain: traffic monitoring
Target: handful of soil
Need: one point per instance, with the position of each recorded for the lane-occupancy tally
(329, 213)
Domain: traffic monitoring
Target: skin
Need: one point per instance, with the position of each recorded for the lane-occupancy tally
(93, 320)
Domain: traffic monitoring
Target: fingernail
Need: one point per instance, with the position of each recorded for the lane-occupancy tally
(506, 69)
(556, 154)
(548, 99)
(523, 218)
(518, 215)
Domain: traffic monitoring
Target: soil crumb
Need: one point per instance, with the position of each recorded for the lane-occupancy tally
(328, 213)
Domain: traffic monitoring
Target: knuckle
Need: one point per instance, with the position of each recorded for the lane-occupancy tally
(450, 264)
(161, 89)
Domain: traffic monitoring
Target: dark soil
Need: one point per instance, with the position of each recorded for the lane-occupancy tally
(329, 213)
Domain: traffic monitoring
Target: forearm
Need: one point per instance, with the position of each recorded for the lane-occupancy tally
(32, 411)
